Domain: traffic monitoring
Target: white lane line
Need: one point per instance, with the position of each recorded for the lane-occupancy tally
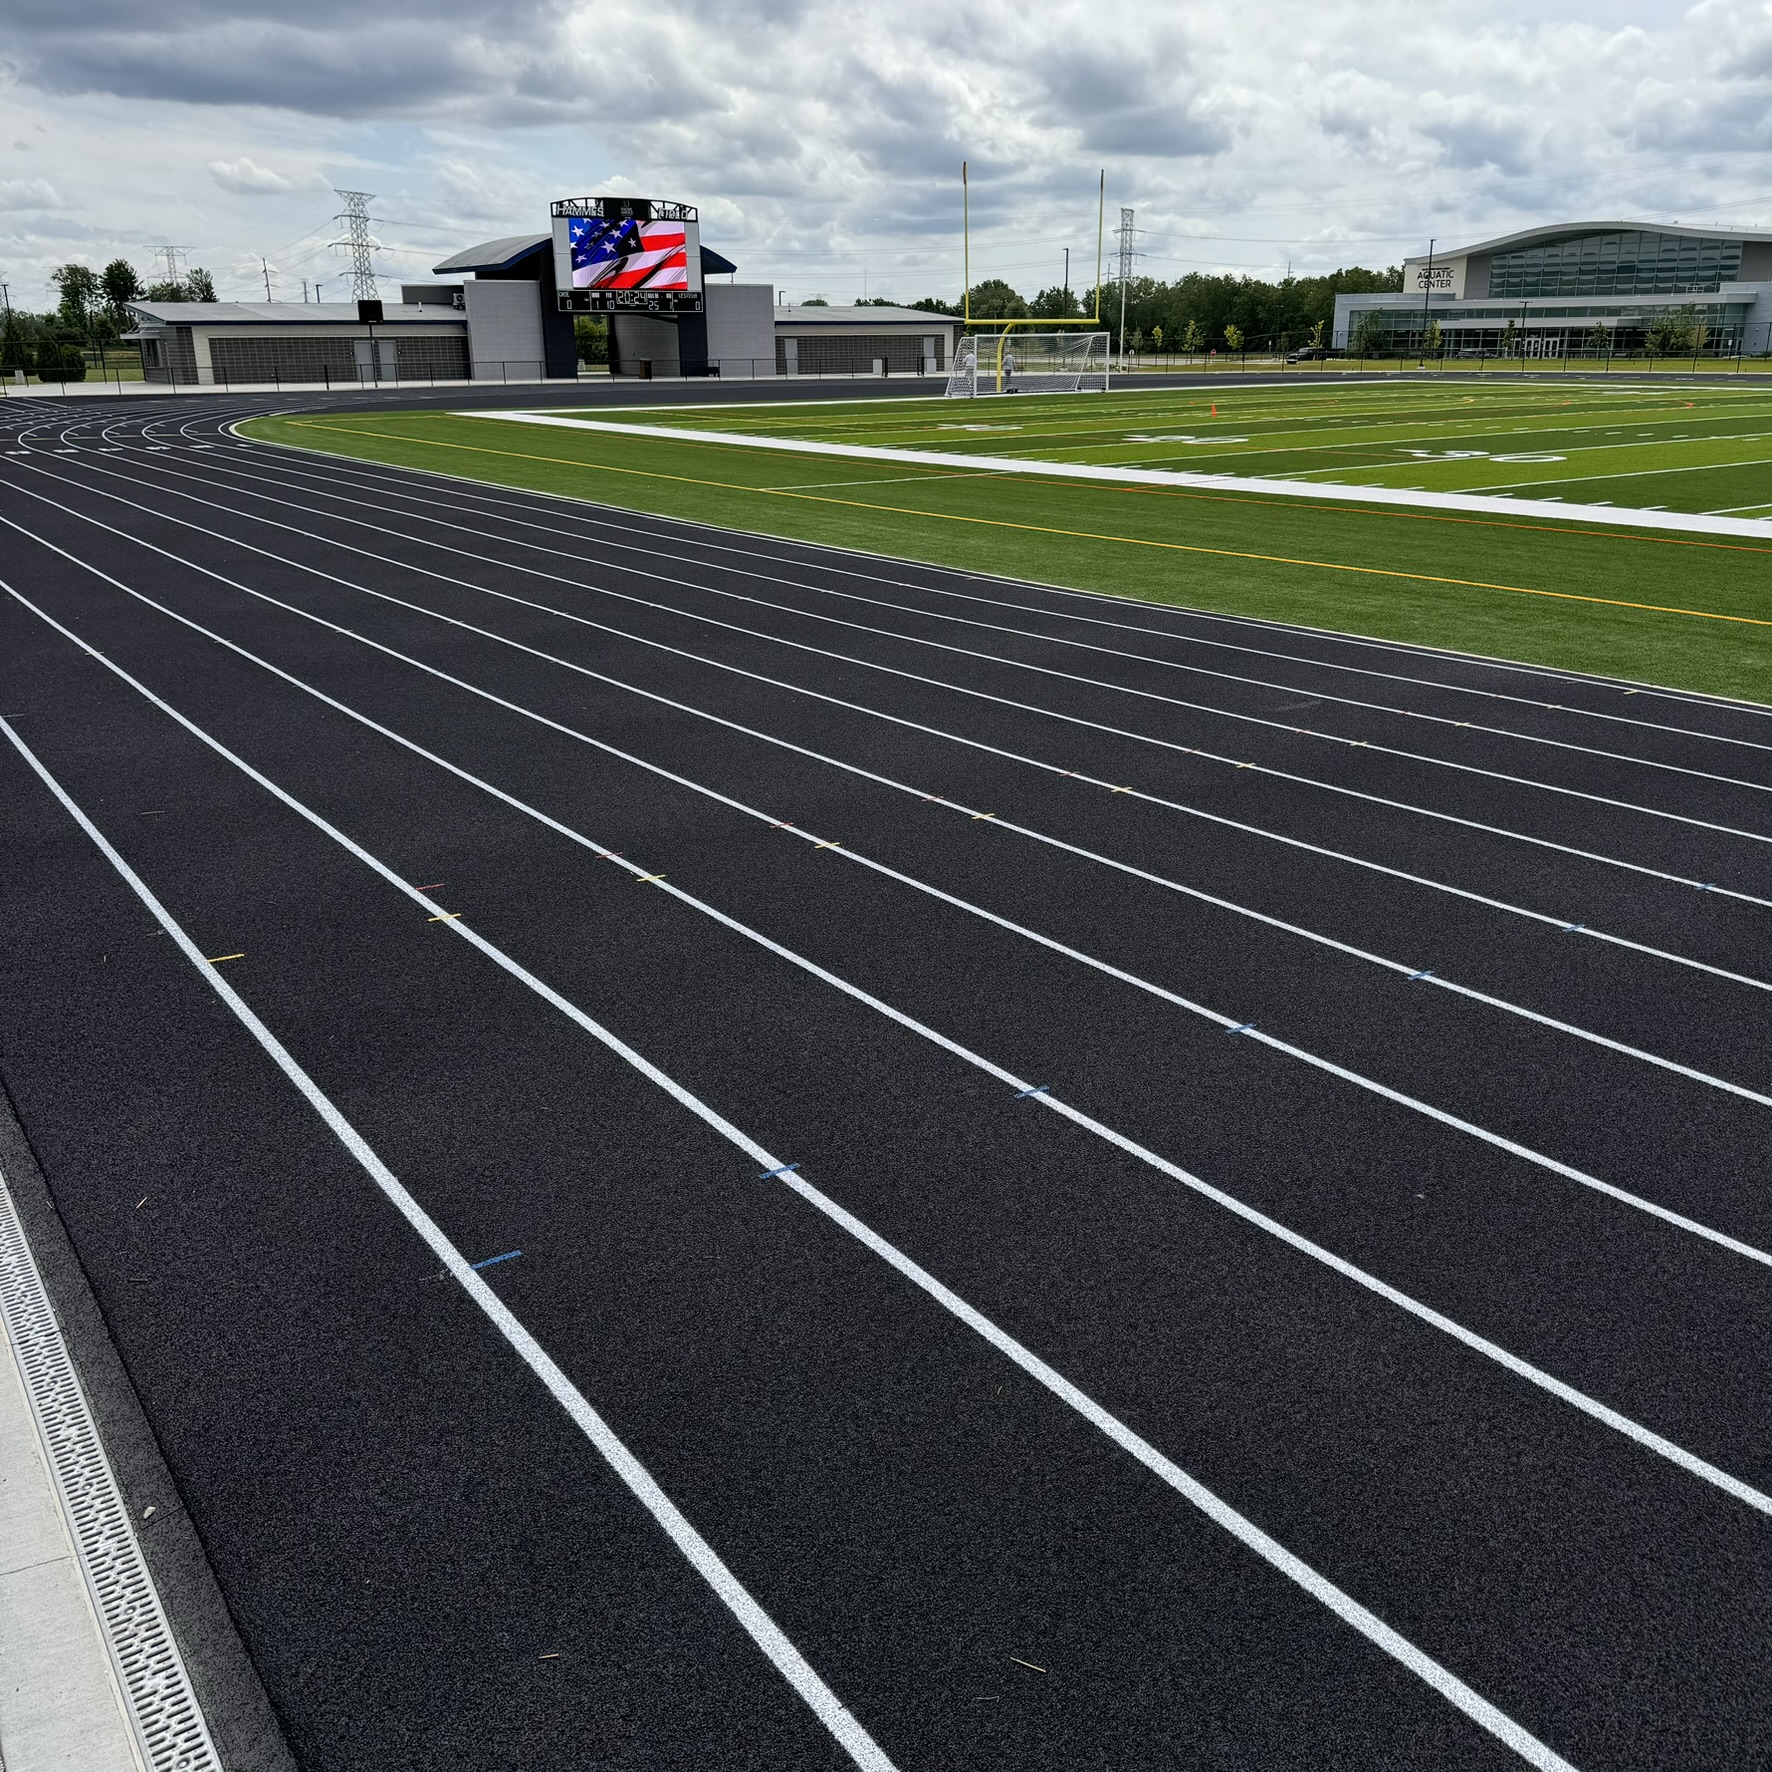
(856, 1741)
(1470, 1128)
(634, 869)
(1011, 663)
(782, 549)
(1621, 516)
(1265, 769)
(1402, 968)
(763, 1631)
(620, 538)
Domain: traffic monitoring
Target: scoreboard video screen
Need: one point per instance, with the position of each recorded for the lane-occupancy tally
(627, 255)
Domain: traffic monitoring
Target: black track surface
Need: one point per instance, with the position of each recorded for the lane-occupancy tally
(401, 1520)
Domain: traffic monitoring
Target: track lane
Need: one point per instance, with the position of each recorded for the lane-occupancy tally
(777, 883)
(1579, 1098)
(819, 1086)
(846, 1287)
(1178, 715)
(806, 597)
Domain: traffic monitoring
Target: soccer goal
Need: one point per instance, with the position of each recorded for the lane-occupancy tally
(1029, 363)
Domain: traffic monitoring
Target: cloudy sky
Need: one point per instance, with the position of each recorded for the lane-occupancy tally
(823, 142)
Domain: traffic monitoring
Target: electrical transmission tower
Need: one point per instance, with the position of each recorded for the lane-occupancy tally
(356, 220)
(1128, 234)
(172, 254)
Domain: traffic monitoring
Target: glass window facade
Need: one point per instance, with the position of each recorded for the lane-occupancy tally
(1616, 264)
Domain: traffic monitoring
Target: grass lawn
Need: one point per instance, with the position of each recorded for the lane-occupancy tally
(1689, 611)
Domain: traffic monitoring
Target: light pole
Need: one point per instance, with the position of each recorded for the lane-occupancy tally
(1427, 288)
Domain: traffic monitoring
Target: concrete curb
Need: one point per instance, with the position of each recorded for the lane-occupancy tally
(246, 1734)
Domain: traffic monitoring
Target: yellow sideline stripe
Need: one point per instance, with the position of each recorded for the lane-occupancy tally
(1133, 541)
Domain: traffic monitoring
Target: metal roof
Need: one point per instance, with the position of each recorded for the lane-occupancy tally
(308, 313)
(1575, 230)
(495, 255)
(862, 316)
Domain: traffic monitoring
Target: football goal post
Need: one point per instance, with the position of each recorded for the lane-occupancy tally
(1029, 363)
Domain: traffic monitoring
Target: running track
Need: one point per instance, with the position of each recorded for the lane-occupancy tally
(1081, 1185)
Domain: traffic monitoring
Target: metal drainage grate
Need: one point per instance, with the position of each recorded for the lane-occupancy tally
(169, 1727)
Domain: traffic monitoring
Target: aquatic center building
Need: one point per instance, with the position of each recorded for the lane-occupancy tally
(1587, 287)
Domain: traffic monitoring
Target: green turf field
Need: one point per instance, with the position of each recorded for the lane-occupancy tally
(1684, 610)
(1668, 446)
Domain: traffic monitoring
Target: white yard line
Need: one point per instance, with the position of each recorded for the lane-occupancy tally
(1678, 521)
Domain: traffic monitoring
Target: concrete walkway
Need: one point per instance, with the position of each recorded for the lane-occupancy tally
(60, 1708)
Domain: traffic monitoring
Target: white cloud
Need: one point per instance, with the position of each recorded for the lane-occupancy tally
(246, 178)
(28, 193)
(823, 143)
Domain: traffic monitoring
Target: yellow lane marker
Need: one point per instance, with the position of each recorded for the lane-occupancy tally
(1134, 541)
(1122, 790)
(447, 917)
(647, 879)
(984, 815)
(220, 957)
(831, 845)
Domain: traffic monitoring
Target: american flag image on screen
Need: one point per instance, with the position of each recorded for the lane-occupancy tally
(628, 254)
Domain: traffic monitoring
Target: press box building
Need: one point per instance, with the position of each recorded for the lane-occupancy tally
(1560, 287)
(504, 322)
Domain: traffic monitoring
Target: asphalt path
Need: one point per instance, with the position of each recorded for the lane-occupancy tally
(1270, 1254)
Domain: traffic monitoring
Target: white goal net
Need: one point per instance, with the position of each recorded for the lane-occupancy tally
(1029, 363)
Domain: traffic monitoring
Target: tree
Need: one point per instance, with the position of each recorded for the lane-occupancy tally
(993, 299)
(200, 284)
(1674, 332)
(16, 351)
(1233, 338)
(78, 287)
(1598, 342)
(1369, 336)
(60, 362)
(815, 301)
(1156, 338)
(592, 339)
(1434, 339)
(121, 286)
(1317, 332)
(933, 304)
(1056, 303)
(1510, 340)
(1193, 340)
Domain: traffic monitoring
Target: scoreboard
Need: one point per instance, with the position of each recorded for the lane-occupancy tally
(617, 255)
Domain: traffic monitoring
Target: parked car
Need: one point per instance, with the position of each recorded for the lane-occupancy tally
(1310, 354)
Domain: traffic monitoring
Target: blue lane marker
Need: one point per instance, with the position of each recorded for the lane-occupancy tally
(1242, 1029)
(1706, 886)
(494, 1260)
(1573, 928)
(1415, 975)
(1038, 1089)
(785, 1169)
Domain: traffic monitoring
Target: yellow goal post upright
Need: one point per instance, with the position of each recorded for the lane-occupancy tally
(1040, 357)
